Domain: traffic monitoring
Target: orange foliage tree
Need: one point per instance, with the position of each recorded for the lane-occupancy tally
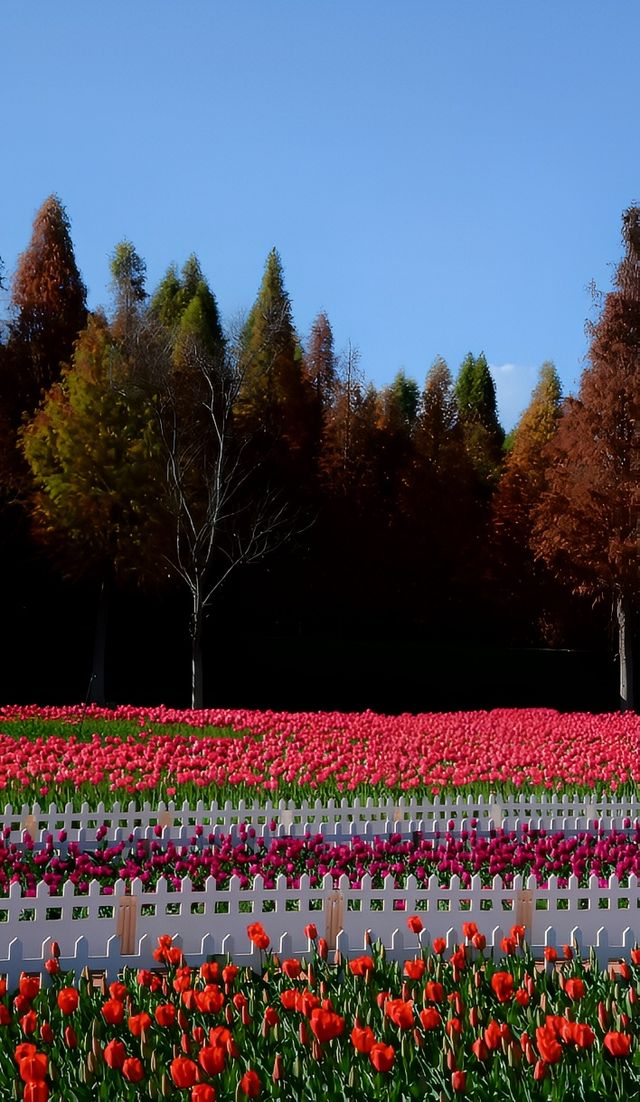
(587, 523)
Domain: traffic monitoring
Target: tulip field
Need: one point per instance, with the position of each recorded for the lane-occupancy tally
(453, 1020)
(100, 755)
(445, 1025)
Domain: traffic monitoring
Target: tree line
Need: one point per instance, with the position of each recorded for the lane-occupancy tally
(249, 474)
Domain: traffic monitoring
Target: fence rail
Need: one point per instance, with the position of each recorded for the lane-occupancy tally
(342, 818)
(213, 920)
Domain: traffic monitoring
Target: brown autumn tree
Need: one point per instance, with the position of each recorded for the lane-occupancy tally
(49, 300)
(587, 524)
(523, 582)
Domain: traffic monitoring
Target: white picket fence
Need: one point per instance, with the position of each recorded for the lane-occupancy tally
(108, 931)
(341, 818)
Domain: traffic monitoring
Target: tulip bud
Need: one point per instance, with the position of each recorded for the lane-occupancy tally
(316, 1051)
(228, 1013)
(278, 1068)
(70, 1038)
(451, 1060)
(55, 949)
(46, 1033)
(183, 1021)
(245, 1017)
(477, 979)
(184, 1044)
(303, 1033)
(474, 1017)
(459, 1081)
(540, 1071)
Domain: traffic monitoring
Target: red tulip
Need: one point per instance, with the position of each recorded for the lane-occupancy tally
(430, 1018)
(382, 1056)
(36, 1092)
(113, 1012)
(212, 1059)
(574, 988)
(480, 1050)
(256, 933)
(68, 1000)
(250, 1084)
(359, 966)
(400, 1012)
(502, 986)
(165, 1015)
(114, 1054)
(291, 968)
(459, 1081)
(414, 969)
(34, 1067)
(138, 1022)
(617, 1044)
(202, 1092)
(434, 991)
(183, 1072)
(363, 1039)
(415, 924)
(133, 1070)
(325, 1025)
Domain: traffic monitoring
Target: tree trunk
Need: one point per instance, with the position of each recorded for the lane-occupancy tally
(97, 689)
(196, 659)
(625, 651)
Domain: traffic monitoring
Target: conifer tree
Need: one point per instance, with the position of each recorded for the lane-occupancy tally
(320, 361)
(166, 305)
(128, 272)
(524, 583)
(587, 524)
(476, 396)
(49, 299)
(275, 403)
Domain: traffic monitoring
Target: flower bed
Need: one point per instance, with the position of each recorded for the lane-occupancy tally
(465, 854)
(98, 755)
(442, 1025)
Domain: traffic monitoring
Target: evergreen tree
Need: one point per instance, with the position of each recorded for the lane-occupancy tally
(186, 306)
(49, 299)
(476, 397)
(275, 403)
(166, 303)
(128, 272)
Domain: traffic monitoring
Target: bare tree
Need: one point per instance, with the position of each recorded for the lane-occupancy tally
(221, 512)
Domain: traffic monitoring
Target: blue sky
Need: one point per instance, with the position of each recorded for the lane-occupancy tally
(439, 177)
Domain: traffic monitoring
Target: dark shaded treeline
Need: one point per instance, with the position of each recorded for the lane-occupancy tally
(247, 501)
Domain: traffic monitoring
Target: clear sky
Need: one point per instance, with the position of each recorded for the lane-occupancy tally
(438, 176)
